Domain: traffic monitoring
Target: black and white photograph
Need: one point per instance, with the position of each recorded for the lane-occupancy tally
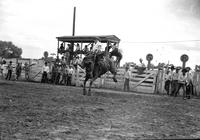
(99, 69)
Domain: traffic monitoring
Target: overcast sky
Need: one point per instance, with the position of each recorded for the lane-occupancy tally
(33, 25)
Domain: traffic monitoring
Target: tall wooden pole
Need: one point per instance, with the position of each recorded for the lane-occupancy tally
(73, 33)
(74, 21)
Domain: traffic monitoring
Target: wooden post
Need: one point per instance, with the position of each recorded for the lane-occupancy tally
(163, 80)
(74, 21)
(149, 64)
(155, 82)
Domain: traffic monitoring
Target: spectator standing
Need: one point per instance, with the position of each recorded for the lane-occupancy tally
(63, 75)
(53, 73)
(10, 69)
(86, 50)
(182, 79)
(168, 78)
(18, 70)
(107, 48)
(45, 71)
(58, 74)
(62, 48)
(4, 70)
(175, 75)
(63, 61)
(189, 83)
(127, 76)
(26, 69)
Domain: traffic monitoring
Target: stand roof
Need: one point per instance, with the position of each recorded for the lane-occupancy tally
(89, 39)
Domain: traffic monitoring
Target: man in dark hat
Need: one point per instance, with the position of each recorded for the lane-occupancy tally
(85, 50)
(62, 48)
(10, 69)
(175, 81)
(45, 71)
(168, 78)
(182, 79)
(189, 84)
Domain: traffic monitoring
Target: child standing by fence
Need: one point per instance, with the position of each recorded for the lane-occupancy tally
(127, 76)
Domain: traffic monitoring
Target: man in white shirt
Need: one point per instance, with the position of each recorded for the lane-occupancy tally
(127, 77)
(45, 71)
(175, 75)
(168, 78)
(182, 79)
(4, 69)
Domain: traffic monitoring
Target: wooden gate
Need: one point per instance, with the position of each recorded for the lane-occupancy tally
(138, 83)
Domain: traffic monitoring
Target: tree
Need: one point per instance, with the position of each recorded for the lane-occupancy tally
(9, 50)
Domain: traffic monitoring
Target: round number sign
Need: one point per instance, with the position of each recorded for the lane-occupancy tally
(184, 58)
(149, 57)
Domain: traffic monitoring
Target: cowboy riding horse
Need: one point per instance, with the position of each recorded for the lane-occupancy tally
(97, 64)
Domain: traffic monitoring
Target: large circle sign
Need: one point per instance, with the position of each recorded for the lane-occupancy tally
(46, 54)
(149, 57)
(184, 58)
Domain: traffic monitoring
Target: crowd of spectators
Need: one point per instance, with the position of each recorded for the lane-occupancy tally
(7, 70)
(177, 78)
(60, 72)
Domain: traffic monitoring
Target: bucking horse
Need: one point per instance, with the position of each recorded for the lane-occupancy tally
(97, 64)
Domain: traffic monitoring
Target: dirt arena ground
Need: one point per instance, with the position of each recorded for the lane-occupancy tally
(33, 111)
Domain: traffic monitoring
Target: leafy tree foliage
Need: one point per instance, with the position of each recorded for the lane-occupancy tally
(9, 50)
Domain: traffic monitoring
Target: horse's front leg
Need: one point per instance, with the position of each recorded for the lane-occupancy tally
(84, 86)
(91, 82)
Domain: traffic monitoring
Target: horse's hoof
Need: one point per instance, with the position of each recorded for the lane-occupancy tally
(89, 93)
(84, 92)
(115, 80)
